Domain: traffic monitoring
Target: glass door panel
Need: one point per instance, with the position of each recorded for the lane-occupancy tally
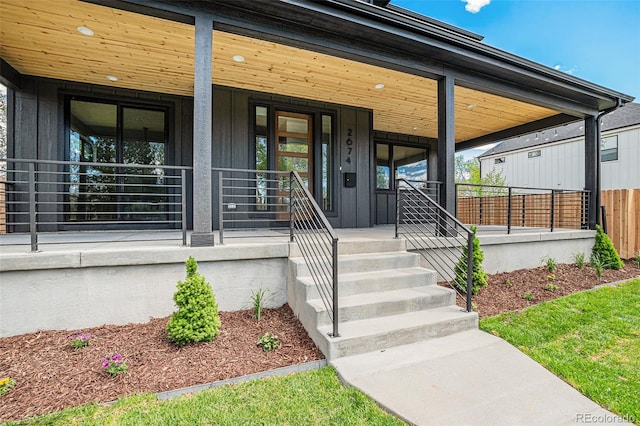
(93, 139)
(294, 150)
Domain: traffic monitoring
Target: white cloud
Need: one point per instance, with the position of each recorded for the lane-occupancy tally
(474, 6)
(565, 70)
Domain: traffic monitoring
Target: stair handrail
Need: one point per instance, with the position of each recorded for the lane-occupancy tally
(436, 234)
(318, 243)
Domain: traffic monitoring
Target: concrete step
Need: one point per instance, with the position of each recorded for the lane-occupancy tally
(385, 303)
(363, 262)
(361, 245)
(377, 334)
(368, 282)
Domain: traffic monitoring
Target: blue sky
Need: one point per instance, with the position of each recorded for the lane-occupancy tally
(596, 40)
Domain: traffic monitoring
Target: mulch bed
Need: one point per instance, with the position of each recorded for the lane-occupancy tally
(506, 290)
(51, 375)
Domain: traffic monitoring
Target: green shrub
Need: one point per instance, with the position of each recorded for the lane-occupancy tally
(604, 250)
(479, 276)
(196, 319)
(551, 263)
(579, 259)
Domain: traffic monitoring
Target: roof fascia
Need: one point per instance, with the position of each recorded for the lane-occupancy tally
(9, 76)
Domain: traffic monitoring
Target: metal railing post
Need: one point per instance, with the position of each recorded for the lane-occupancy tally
(524, 209)
(334, 247)
(509, 212)
(220, 207)
(33, 231)
(469, 270)
(183, 206)
(397, 208)
(553, 208)
(291, 207)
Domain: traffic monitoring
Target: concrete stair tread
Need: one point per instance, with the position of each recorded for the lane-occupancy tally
(388, 296)
(383, 325)
(366, 256)
(348, 277)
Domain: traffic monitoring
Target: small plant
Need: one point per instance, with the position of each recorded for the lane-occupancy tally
(197, 318)
(507, 282)
(637, 259)
(113, 364)
(530, 295)
(605, 250)
(479, 277)
(79, 339)
(268, 342)
(597, 263)
(551, 287)
(258, 299)
(6, 384)
(552, 265)
(579, 260)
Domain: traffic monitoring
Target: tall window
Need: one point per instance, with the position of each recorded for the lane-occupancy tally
(609, 148)
(106, 133)
(399, 161)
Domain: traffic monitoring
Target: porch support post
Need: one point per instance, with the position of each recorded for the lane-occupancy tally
(591, 168)
(446, 144)
(202, 111)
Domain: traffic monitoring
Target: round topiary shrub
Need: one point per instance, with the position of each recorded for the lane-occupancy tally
(196, 319)
(604, 250)
(479, 279)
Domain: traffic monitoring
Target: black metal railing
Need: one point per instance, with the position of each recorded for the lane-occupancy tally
(429, 187)
(511, 206)
(443, 241)
(51, 196)
(251, 199)
(318, 244)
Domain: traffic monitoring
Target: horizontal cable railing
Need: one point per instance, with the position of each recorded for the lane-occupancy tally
(251, 199)
(52, 196)
(525, 207)
(443, 241)
(430, 187)
(318, 244)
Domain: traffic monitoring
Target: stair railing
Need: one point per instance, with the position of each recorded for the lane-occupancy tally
(318, 243)
(443, 241)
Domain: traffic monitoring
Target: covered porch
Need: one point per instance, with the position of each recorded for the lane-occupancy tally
(378, 88)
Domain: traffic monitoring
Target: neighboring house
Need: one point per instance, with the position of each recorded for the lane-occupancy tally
(349, 93)
(554, 158)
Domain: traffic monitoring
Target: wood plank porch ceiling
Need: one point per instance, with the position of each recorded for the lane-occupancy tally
(40, 38)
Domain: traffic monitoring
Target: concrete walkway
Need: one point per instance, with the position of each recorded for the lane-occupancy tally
(469, 378)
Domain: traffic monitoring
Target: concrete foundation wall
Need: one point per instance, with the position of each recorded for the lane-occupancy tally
(505, 253)
(47, 291)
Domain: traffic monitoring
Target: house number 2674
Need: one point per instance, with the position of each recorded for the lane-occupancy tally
(349, 143)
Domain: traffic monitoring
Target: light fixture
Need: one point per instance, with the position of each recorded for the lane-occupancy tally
(471, 106)
(238, 58)
(85, 31)
(416, 128)
(379, 86)
(112, 78)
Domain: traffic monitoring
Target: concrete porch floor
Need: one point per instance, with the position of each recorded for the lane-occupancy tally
(106, 240)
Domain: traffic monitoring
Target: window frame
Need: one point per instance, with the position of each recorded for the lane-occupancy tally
(604, 152)
(392, 169)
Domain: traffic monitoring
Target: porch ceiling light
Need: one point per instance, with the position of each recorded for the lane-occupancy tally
(85, 31)
(379, 86)
(416, 128)
(112, 78)
(471, 106)
(238, 58)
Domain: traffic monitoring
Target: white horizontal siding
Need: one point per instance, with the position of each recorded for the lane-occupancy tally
(561, 164)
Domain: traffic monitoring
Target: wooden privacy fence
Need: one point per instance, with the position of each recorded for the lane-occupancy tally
(623, 220)
(566, 209)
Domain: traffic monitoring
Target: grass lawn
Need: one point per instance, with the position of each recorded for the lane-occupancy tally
(314, 397)
(590, 339)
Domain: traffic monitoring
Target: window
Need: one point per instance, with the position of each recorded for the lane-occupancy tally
(609, 148)
(103, 132)
(499, 160)
(394, 161)
(534, 154)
